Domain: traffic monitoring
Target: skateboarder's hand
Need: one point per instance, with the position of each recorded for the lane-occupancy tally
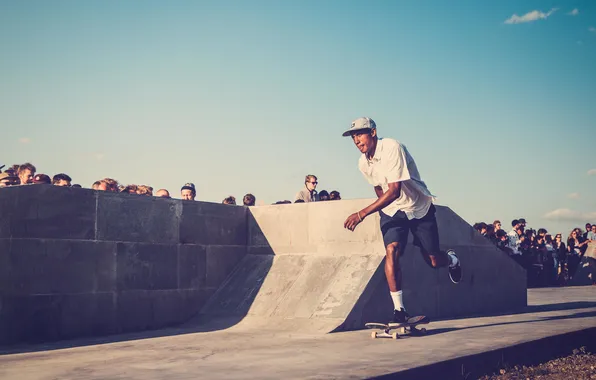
(352, 221)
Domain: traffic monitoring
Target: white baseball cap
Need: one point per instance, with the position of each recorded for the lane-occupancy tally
(360, 124)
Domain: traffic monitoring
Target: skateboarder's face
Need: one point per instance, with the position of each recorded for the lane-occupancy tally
(365, 140)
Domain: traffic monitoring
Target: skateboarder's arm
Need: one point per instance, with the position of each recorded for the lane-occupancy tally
(379, 191)
(383, 200)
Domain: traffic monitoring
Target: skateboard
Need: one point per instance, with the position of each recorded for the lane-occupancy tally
(403, 328)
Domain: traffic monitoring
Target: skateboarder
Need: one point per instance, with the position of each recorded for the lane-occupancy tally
(404, 204)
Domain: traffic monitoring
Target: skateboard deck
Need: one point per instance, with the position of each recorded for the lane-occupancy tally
(407, 327)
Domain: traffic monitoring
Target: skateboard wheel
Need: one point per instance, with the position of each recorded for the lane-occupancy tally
(373, 335)
(394, 335)
(423, 330)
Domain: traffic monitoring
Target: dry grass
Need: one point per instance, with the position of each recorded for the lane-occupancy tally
(579, 365)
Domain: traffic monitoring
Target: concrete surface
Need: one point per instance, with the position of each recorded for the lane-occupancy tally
(555, 319)
(304, 271)
(78, 262)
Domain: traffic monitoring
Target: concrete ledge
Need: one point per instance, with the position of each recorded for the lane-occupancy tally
(527, 353)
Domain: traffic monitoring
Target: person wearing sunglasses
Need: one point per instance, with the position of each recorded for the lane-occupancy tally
(309, 192)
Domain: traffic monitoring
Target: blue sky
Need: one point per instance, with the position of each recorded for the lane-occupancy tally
(250, 96)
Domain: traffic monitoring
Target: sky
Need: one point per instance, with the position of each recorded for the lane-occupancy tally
(495, 100)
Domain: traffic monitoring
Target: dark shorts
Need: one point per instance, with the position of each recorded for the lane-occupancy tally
(425, 231)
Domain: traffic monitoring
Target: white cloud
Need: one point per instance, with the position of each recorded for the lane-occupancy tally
(592, 29)
(529, 17)
(574, 12)
(574, 196)
(24, 140)
(570, 215)
(592, 172)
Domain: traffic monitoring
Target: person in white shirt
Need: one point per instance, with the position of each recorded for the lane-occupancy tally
(404, 204)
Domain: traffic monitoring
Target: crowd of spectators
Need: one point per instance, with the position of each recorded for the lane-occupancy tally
(549, 261)
(26, 174)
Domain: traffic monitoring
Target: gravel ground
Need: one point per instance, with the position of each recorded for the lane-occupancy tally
(580, 365)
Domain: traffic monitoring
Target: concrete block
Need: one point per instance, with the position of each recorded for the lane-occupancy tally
(147, 266)
(194, 300)
(37, 266)
(89, 314)
(453, 230)
(192, 266)
(30, 319)
(326, 225)
(304, 275)
(278, 284)
(134, 310)
(51, 212)
(344, 289)
(221, 260)
(265, 228)
(236, 295)
(212, 224)
(134, 218)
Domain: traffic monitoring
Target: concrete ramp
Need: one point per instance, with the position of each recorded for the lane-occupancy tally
(305, 273)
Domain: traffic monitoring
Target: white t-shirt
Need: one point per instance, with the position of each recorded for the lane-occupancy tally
(393, 163)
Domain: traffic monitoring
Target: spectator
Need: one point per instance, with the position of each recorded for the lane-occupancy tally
(515, 240)
(26, 172)
(490, 232)
(561, 253)
(296, 201)
(163, 193)
(108, 184)
(249, 200)
(552, 261)
(129, 189)
(522, 221)
(95, 185)
(591, 236)
(497, 225)
(8, 179)
(77, 185)
(323, 195)
(308, 194)
(188, 192)
(334, 196)
(588, 230)
(145, 190)
(41, 179)
(575, 243)
(231, 200)
(481, 227)
(61, 180)
(502, 241)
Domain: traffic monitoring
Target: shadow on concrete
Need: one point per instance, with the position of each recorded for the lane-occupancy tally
(431, 331)
(228, 312)
(528, 310)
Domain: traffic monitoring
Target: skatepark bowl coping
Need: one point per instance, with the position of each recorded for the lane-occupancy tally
(78, 263)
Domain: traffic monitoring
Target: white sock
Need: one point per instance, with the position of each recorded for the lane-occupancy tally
(452, 260)
(398, 302)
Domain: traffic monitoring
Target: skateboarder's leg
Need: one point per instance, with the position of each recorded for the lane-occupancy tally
(392, 267)
(426, 236)
(395, 236)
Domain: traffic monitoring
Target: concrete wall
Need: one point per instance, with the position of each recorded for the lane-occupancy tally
(305, 272)
(77, 262)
